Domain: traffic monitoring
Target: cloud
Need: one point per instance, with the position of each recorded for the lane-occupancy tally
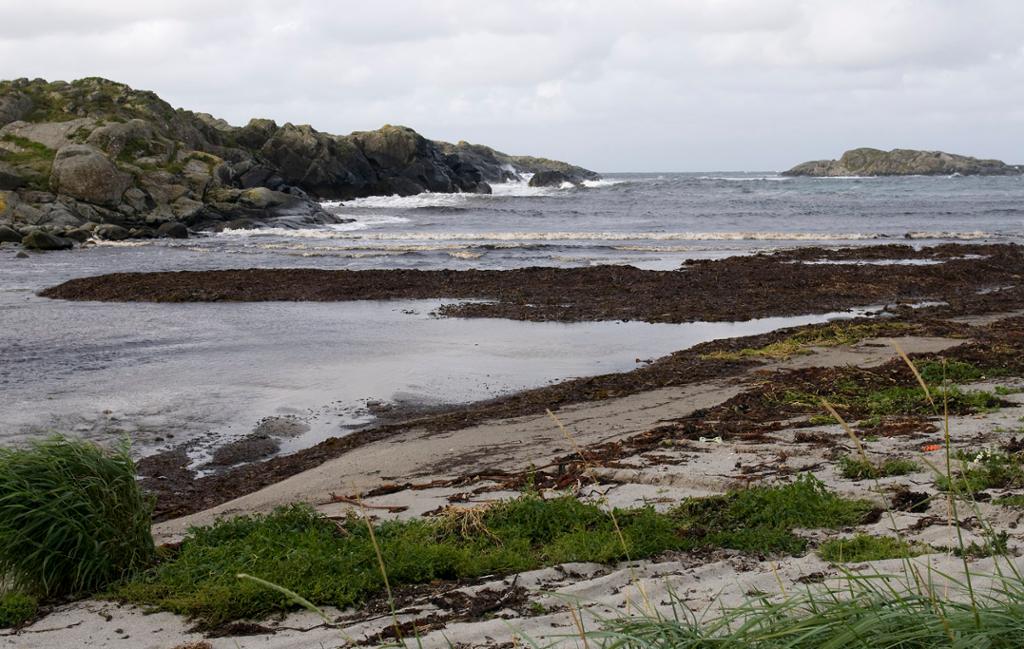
(651, 84)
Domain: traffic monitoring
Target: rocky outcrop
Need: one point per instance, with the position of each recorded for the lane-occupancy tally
(98, 152)
(903, 162)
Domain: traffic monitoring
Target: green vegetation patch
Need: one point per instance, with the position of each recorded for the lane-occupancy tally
(852, 397)
(831, 335)
(334, 562)
(865, 547)
(984, 470)
(860, 469)
(72, 518)
(934, 372)
(1016, 500)
(16, 609)
(33, 160)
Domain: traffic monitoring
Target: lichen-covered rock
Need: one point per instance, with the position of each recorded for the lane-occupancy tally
(902, 162)
(84, 173)
(112, 154)
(40, 240)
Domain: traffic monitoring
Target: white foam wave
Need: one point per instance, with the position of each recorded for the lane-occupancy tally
(430, 199)
(602, 182)
(341, 231)
(745, 178)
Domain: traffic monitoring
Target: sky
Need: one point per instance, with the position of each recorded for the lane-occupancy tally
(634, 85)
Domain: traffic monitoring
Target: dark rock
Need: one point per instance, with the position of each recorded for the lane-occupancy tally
(40, 240)
(111, 232)
(250, 449)
(9, 235)
(10, 177)
(172, 230)
(549, 179)
(21, 255)
(81, 235)
(241, 224)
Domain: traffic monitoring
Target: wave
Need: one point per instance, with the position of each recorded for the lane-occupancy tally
(746, 178)
(511, 189)
(339, 232)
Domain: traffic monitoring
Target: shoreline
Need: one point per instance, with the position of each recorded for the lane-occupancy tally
(692, 424)
(181, 493)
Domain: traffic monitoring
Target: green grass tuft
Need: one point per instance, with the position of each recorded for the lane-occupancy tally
(865, 547)
(860, 469)
(72, 518)
(335, 564)
(16, 609)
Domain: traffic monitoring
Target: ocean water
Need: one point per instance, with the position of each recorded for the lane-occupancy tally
(650, 220)
(206, 374)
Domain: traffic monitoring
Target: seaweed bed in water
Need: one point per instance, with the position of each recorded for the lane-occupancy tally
(971, 279)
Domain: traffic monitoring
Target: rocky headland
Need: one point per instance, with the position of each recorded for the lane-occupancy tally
(97, 159)
(903, 162)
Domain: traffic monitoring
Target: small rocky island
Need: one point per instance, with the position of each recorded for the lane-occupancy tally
(97, 159)
(903, 162)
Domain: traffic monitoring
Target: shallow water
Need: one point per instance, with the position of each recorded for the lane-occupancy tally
(209, 373)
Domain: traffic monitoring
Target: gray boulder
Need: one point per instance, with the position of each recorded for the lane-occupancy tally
(40, 240)
(83, 172)
(14, 107)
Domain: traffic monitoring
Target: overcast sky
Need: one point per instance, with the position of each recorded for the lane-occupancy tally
(633, 85)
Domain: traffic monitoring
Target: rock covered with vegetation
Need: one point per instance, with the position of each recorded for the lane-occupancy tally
(903, 162)
(75, 155)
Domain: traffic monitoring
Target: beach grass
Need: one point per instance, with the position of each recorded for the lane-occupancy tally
(860, 612)
(72, 518)
(856, 468)
(335, 562)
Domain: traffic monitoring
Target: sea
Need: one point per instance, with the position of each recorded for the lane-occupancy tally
(202, 375)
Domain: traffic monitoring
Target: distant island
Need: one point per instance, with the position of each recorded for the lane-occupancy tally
(97, 159)
(903, 162)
